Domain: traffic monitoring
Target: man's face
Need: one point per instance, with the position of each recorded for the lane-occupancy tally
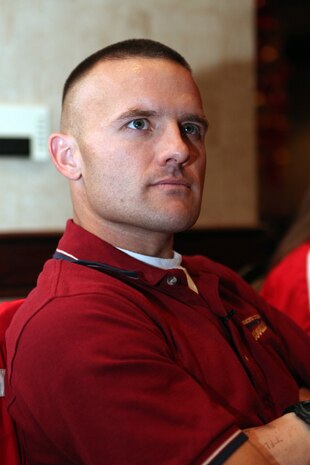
(141, 140)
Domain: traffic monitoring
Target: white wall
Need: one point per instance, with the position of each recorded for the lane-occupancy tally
(42, 40)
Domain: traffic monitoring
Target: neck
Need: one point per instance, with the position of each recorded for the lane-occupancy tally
(152, 243)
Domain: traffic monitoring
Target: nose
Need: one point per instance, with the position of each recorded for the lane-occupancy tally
(174, 148)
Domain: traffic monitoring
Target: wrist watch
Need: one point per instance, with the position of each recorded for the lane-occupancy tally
(302, 410)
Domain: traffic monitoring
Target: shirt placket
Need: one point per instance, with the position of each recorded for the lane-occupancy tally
(240, 343)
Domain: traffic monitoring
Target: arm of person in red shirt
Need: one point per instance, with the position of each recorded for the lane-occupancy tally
(284, 441)
(146, 383)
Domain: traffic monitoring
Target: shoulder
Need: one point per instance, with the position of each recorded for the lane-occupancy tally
(72, 302)
(296, 257)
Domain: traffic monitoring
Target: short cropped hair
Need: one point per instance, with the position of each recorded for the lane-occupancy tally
(145, 48)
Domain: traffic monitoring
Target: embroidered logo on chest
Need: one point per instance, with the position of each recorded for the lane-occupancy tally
(256, 325)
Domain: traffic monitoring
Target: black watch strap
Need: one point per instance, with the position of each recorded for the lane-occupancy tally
(302, 410)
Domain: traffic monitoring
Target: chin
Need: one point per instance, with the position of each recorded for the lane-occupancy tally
(170, 220)
(175, 225)
(184, 228)
(183, 222)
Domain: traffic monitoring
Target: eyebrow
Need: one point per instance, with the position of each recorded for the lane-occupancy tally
(137, 112)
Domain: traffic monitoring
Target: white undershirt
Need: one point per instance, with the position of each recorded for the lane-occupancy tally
(164, 264)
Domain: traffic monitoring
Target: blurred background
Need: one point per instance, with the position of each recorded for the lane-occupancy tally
(283, 107)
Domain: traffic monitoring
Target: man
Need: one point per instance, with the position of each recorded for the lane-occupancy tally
(127, 353)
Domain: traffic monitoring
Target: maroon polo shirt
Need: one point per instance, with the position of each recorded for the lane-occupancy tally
(127, 365)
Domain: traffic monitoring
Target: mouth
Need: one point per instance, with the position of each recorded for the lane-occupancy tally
(172, 182)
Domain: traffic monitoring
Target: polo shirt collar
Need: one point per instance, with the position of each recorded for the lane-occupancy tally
(83, 245)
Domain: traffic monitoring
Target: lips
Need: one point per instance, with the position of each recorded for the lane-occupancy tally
(172, 182)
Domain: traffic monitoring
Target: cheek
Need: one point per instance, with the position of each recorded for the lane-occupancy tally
(111, 180)
(200, 168)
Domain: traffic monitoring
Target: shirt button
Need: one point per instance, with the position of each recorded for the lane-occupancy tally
(172, 280)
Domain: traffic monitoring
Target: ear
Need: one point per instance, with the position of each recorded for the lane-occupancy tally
(64, 153)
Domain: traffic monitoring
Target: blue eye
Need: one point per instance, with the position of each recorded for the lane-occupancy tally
(139, 124)
(191, 129)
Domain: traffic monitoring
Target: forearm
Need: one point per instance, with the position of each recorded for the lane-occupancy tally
(284, 441)
(248, 454)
